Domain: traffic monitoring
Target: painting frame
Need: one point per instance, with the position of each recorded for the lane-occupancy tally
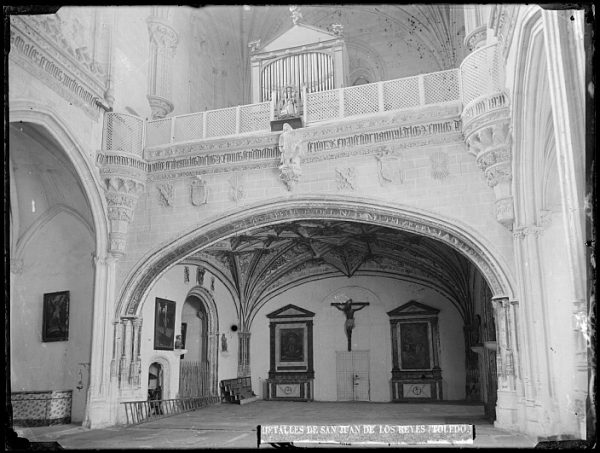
(55, 316)
(164, 324)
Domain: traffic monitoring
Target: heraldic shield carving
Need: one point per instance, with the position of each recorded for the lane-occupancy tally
(199, 192)
(389, 167)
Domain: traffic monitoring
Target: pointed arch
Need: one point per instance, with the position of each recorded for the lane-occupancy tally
(457, 235)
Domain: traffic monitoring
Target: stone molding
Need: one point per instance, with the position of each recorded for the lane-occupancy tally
(156, 261)
(39, 48)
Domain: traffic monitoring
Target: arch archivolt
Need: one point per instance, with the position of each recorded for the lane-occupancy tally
(458, 236)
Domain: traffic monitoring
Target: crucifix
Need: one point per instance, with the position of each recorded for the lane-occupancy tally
(349, 308)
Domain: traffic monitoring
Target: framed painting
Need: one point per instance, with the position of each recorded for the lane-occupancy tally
(56, 317)
(291, 345)
(164, 324)
(415, 346)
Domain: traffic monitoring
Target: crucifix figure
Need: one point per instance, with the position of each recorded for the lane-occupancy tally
(349, 308)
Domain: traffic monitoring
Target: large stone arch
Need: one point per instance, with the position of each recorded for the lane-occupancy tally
(455, 234)
(32, 112)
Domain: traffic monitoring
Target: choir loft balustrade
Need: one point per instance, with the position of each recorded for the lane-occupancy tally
(317, 107)
(474, 85)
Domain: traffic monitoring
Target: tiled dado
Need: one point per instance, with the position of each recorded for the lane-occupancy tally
(41, 408)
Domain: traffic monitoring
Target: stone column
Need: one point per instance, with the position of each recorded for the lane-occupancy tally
(564, 47)
(163, 43)
(103, 367)
(507, 401)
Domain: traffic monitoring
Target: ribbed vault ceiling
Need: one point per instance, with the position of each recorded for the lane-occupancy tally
(267, 261)
(390, 41)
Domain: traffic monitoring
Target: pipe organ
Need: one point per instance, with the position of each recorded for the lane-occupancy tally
(302, 58)
(313, 70)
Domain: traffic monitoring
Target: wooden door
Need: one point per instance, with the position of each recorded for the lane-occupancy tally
(352, 374)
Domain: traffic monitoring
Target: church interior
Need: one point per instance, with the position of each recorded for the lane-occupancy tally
(301, 203)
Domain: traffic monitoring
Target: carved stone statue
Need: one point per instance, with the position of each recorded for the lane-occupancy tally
(288, 104)
(290, 157)
(349, 308)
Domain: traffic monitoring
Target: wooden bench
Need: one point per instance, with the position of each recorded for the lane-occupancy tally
(237, 391)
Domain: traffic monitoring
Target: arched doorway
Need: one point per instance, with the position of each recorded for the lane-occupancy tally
(199, 330)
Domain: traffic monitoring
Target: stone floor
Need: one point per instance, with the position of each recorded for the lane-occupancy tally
(234, 426)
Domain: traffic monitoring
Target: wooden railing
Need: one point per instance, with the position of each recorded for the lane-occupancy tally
(144, 411)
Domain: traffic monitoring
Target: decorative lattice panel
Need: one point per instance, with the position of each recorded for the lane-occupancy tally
(401, 93)
(323, 105)
(220, 122)
(441, 86)
(123, 132)
(255, 117)
(158, 132)
(361, 99)
(188, 127)
(479, 73)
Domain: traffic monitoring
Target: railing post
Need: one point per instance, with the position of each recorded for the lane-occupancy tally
(238, 117)
(172, 129)
(380, 96)
(273, 101)
(421, 80)
(341, 113)
(304, 105)
(204, 123)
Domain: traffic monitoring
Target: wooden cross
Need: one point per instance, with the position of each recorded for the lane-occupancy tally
(349, 308)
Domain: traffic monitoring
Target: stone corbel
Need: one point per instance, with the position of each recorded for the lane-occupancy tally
(121, 194)
(491, 144)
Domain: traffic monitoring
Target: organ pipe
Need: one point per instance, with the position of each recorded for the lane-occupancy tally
(313, 69)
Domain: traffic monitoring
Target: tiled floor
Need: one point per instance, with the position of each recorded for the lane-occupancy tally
(234, 426)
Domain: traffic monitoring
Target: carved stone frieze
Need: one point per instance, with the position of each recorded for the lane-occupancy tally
(39, 47)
